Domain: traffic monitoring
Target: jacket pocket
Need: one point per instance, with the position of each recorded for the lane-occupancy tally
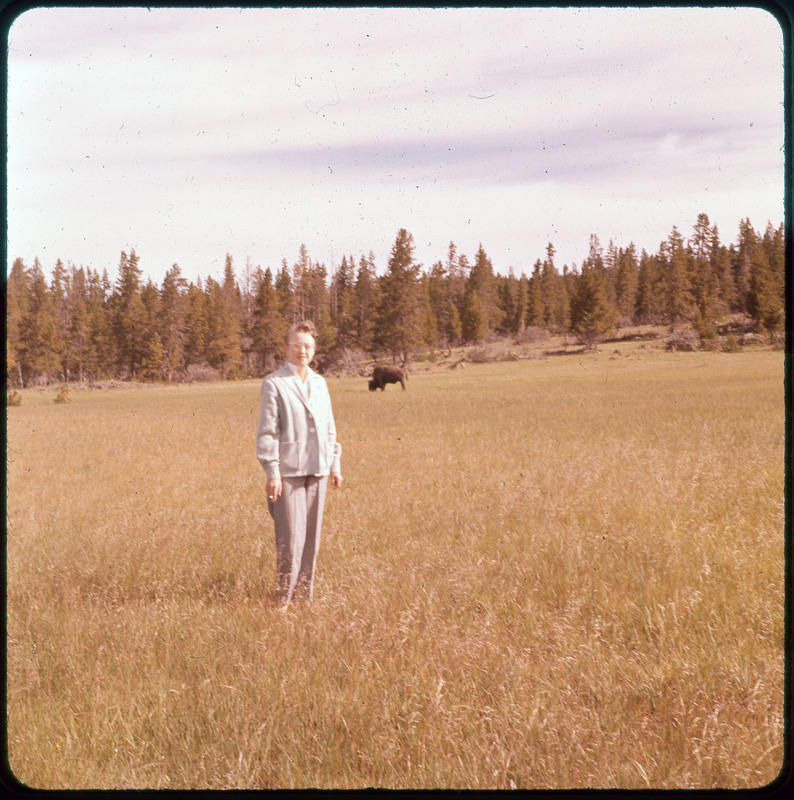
(289, 457)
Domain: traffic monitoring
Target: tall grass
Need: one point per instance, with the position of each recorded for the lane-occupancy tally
(547, 574)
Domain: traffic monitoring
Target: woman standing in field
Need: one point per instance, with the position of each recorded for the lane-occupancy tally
(296, 444)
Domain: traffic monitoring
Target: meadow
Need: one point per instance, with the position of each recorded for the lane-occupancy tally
(543, 574)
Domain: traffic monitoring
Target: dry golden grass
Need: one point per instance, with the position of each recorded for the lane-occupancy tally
(543, 574)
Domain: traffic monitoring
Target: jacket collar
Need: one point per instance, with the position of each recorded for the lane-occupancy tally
(289, 372)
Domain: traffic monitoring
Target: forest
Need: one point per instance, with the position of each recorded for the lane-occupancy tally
(80, 326)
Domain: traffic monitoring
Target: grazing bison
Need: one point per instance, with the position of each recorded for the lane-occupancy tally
(383, 375)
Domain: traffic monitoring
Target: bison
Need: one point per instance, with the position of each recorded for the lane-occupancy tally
(383, 375)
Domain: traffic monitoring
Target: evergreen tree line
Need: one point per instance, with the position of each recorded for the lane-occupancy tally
(79, 326)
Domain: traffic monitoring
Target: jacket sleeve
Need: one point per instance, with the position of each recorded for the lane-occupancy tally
(336, 458)
(268, 430)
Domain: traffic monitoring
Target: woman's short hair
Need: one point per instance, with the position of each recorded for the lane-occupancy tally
(306, 326)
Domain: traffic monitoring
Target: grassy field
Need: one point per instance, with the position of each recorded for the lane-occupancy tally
(558, 573)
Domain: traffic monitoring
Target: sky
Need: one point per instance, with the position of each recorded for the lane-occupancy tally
(187, 134)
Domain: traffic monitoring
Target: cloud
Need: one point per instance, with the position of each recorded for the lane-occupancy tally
(197, 132)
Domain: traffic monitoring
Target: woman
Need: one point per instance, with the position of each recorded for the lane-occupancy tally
(296, 444)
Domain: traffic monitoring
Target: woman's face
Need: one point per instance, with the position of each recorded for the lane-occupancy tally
(300, 349)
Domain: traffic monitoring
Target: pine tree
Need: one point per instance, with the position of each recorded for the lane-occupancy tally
(561, 307)
(61, 289)
(40, 343)
(299, 309)
(609, 266)
(676, 278)
(457, 270)
(454, 330)
(705, 286)
(81, 345)
(535, 309)
(284, 290)
(270, 326)
(553, 295)
(173, 323)
(522, 305)
(508, 293)
(343, 315)
(100, 324)
(768, 288)
(250, 278)
(626, 282)
(229, 288)
(473, 321)
(774, 244)
(592, 315)
(748, 241)
(17, 299)
(197, 325)
(365, 294)
(129, 314)
(723, 273)
(548, 287)
(399, 318)
(232, 300)
(223, 348)
(567, 283)
(437, 289)
(701, 240)
(650, 298)
(430, 333)
(764, 298)
(595, 256)
(153, 367)
(317, 305)
(483, 280)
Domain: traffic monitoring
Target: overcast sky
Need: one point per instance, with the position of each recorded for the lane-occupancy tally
(187, 134)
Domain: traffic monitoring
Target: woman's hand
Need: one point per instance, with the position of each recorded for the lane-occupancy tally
(336, 480)
(273, 489)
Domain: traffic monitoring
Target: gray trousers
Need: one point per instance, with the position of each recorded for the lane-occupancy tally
(298, 518)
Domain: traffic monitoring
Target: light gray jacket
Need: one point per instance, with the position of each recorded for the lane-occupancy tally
(296, 434)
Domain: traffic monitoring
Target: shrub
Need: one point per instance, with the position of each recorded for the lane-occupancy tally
(731, 344)
(341, 361)
(752, 338)
(624, 321)
(63, 395)
(736, 323)
(480, 355)
(13, 398)
(684, 341)
(427, 357)
(532, 333)
(201, 372)
(704, 325)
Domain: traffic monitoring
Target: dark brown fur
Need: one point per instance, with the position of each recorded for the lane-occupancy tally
(383, 375)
